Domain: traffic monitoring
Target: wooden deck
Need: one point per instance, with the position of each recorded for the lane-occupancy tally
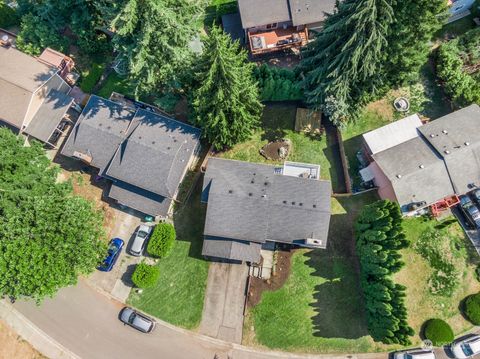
(275, 40)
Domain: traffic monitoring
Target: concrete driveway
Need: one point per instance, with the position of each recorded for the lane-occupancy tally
(117, 282)
(222, 316)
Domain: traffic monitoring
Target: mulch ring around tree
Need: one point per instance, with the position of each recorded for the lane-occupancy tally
(258, 285)
(276, 150)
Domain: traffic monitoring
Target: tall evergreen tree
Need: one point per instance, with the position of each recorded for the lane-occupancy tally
(226, 102)
(379, 236)
(343, 62)
(416, 21)
(153, 37)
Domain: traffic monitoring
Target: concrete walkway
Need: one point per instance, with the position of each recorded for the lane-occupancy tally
(224, 302)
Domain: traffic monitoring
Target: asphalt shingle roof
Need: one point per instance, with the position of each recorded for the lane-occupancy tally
(139, 199)
(263, 12)
(155, 154)
(235, 250)
(20, 76)
(99, 131)
(49, 115)
(403, 163)
(248, 202)
(310, 11)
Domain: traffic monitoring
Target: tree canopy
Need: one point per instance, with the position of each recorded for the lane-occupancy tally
(47, 235)
(379, 236)
(416, 21)
(343, 61)
(226, 101)
(153, 36)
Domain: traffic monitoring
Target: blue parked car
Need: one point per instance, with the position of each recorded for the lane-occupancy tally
(114, 249)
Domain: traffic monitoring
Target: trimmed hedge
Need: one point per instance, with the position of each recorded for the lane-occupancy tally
(162, 240)
(145, 276)
(472, 308)
(439, 332)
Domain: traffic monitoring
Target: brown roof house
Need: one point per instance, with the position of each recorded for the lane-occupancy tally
(34, 98)
(273, 25)
(144, 154)
(251, 206)
(418, 165)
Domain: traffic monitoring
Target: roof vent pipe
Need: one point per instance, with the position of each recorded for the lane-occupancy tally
(399, 176)
(467, 143)
(447, 152)
(445, 131)
(421, 166)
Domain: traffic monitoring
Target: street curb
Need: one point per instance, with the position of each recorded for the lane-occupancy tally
(42, 342)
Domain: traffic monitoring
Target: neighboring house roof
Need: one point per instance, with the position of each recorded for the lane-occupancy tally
(231, 249)
(249, 202)
(155, 154)
(263, 12)
(139, 199)
(443, 160)
(456, 137)
(99, 131)
(20, 76)
(49, 115)
(392, 134)
(416, 172)
(301, 12)
(310, 11)
(143, 153)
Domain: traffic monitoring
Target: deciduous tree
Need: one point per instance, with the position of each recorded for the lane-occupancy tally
(48, 237)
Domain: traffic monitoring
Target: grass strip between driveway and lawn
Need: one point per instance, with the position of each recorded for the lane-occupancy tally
(178, 296)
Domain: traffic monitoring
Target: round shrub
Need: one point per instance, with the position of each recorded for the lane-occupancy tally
(145, 276)
(439, 332)
(472, 308)
(162, 240)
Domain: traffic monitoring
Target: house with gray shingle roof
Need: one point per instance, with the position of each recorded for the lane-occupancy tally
(438, 160)
(251, 204)
(273, 25)
(144, 154)
(34, 97)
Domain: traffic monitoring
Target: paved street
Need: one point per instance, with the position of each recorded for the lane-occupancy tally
(222, 316)
(84, 323)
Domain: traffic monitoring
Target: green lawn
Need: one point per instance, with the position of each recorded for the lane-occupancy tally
(278, 121)
(91, 76)
(178, 296)
(421, 303)
(320, 307)
(115, 83)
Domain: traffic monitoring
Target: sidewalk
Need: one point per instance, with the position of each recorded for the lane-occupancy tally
(29, 332)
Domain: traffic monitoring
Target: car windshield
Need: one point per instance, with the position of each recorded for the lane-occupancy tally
(142, 234)
(131, 318)
(466, 349)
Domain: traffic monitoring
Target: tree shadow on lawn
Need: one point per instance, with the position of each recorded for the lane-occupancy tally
(338, 302)
(189, 221)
